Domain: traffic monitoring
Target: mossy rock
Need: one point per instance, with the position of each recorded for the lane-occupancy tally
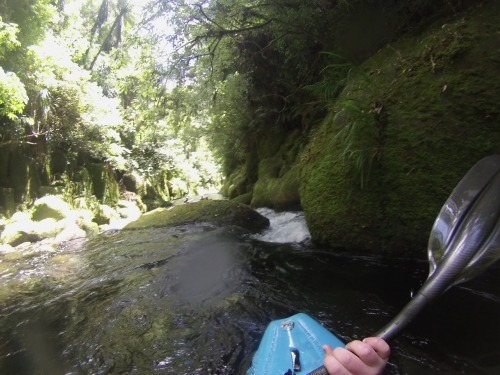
(236, 183)
(270, 167)
(207, 211)
(50, 206)
(135, 183)
(20, 232)
(156, 191)
(243, 198)
(7, 201)
(47, 228)
(104, 214)
(105, 186)
(413, 120)
(277, 192)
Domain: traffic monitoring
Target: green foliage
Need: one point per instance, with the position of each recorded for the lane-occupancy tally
(68, 109)
(334, 77)
(8, 37)
(33, 18)
(229, 121)
(12, 95)
(156, 86)
(356, 130)
(359, 137)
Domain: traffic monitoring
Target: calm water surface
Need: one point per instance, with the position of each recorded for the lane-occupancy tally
(196, 300)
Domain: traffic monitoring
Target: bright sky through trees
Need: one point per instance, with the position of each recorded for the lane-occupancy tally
(96, 80)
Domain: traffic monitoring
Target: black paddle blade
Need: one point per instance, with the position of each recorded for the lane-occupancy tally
(468, 225)
(463, 242)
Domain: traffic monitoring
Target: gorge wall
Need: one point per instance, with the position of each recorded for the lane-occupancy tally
(409, 123)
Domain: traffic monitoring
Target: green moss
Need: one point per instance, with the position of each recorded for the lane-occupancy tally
(236, 183)
(216, 212)
(270, 167)
(243, 198)
(277, 192)
(338, 211)
(104, 184)
(270, 141)
(19, 171)
(251, 166)
(277, 185)
(434, 102)
(7, 203)
(50, 206)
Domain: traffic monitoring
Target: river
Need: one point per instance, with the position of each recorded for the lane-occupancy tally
(196, 299)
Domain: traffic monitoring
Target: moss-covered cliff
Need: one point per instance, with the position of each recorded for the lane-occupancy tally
(408, 125)
(271, 175)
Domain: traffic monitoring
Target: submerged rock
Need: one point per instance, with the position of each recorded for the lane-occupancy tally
(215, 212)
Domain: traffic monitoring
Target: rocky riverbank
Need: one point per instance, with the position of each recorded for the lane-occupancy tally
(53, 220)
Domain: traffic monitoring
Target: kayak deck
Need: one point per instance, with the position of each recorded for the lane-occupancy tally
(292, 346)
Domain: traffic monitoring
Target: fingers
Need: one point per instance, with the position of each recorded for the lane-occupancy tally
(367, 357)
(332, 362)
(364, 352)
(340, 361)
(328, 349)
(380, 346)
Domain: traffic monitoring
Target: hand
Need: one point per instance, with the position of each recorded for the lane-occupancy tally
(367, 357)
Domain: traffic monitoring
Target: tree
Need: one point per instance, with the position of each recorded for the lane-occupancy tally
(13, 96)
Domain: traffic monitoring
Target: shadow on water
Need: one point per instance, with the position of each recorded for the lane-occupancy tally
(196, 300)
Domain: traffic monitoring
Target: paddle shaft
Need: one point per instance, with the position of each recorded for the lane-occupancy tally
(319, 371)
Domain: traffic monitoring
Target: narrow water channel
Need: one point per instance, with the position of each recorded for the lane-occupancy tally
(196, 299)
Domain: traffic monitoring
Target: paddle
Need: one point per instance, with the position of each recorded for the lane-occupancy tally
(464, 241)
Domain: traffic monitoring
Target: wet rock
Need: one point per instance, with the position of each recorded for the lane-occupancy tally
(208, 211)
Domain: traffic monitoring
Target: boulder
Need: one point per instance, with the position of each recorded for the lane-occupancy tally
(128, 210)
(217, 212)
(106, 214)
(70, 231)
(409, 123)
(19, 232)
(50, 206)
(6, 249)
(47, 228)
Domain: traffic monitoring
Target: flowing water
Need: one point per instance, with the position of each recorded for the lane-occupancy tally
(196, 299)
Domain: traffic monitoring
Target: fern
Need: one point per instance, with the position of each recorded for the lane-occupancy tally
(358, 138)
(335, 76)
